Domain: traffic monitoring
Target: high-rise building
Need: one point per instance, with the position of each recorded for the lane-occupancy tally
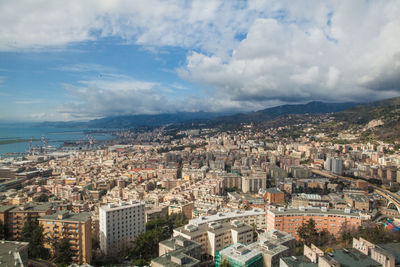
(253, 183)
(120, 224)
(337, 166)
(334, 165)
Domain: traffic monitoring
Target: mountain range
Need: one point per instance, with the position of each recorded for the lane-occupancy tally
(206, 119)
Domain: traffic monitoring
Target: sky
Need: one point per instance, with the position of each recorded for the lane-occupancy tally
(85, 59)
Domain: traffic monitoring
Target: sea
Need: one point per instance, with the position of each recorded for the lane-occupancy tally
(54, 136)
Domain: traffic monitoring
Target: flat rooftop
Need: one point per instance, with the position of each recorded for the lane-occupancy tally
(352, 257)
(120, 206)
(66, 216)
(33, 207)
(268, 247)
(239, 253)
(171, 260)
(226, 216)
(392, 248)
(179, 242)
(7, 259)
(193, 230)
(299, 261)
(313, 212)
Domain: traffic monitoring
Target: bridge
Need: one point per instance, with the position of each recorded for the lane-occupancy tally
(393, 199)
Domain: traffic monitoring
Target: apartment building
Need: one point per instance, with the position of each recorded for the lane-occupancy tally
(21, 214)
(177, 251)
(289, 220)
(253, 183)
(239, 255)
(120, 224)
(386, 254)
(274, 195)
(357, 201)
(215, 236)
(75, 227)
(186, 208)
(232, 180)
(315, 257)
(274, 245)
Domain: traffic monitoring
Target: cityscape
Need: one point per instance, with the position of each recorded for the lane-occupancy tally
(252, 133)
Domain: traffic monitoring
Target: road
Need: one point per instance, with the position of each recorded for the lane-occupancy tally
(381, 191)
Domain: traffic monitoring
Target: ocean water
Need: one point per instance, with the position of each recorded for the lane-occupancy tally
(54, 136)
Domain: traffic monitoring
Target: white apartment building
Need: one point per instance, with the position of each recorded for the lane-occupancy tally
(120, 224)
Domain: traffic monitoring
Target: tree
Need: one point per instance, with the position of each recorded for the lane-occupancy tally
(145, 246)
(255, 234)
(63, 253)
(2, 230)
(102, 192)
(307, 232)
(32, 232)
(95, 242)
(41, 198)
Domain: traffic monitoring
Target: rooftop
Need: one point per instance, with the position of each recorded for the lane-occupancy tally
(268, 247)
(6, 249)
(121, 205)
(314, 211)
(273, 190)
(239, 252)
(225, 216)
(4, 208)
(66, 216)
(352, 257)
(176, 258)
(392, 248)
(179, 242)
(193, 230)
(33, 207)
(299, 261)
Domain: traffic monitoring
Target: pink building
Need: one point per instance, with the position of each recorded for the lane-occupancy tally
(289, 220)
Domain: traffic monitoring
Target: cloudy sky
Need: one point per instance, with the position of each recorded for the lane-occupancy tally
(76, 60)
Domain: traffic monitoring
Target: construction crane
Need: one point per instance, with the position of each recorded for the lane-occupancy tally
(44, 141)
(30, 145)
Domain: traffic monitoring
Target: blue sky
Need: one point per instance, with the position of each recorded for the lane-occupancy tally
(78, 60)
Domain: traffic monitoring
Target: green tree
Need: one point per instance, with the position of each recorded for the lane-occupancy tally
(255, 234)
(63, 253)
(2, 230)
(41, 198)
(102, 192)
(32, 232)
(145, 246)
(307, 232)
(95, 242)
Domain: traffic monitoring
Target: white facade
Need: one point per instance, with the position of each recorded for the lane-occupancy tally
(120, 224)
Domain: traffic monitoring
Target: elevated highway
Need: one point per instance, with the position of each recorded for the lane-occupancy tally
(393, 199)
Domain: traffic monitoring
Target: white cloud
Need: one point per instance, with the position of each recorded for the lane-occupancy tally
(246, 55)
(44, 23)
(85, 67)
(122, 95)
(344, 51)
(28, 101)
